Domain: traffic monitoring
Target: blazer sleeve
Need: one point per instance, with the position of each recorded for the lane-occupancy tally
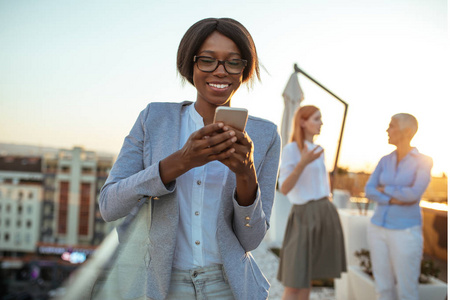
(129, 181)
(252, 222)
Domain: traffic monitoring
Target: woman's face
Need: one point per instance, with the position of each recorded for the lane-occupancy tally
(313, 124)
(395, 134)
(218, 87)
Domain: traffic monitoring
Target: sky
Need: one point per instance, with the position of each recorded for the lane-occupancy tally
(77, 73)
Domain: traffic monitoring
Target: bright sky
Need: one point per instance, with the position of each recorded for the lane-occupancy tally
(79, 72)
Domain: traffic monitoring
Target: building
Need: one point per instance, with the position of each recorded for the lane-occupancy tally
(52, 200)
(49, 218)
(72, 182)
(20, 203)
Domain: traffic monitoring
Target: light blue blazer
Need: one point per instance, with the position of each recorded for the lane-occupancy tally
(135, 175)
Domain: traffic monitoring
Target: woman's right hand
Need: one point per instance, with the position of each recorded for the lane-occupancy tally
(308, 156)
(209, 143)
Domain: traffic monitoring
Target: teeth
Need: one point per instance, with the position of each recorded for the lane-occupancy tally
(219, 86)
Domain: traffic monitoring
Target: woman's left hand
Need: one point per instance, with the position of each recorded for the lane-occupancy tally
(241, 161)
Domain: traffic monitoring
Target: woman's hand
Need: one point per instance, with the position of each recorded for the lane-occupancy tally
(212, 142)
(241, 163)
(209, 143)
(308, 156)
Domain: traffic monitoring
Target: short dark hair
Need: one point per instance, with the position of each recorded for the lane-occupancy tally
(200, 31)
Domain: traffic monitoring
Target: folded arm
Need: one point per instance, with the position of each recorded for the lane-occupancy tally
(413, 193)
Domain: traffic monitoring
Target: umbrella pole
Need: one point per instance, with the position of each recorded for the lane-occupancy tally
(333, 173)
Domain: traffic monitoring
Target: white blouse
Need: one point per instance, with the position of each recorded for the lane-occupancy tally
(198, 192)
(313, 183)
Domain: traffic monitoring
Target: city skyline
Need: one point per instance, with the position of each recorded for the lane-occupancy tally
(79, 74)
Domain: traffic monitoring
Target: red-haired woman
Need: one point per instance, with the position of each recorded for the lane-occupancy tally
(313, 246)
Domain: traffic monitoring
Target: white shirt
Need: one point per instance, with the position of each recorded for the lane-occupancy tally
(198, 192)
(313, 183)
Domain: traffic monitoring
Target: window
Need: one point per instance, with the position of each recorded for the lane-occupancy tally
(30, 195)
(17, 240)
(87, 170)
(28, 224)
(63, 207)
(7, 222)
(19, 223)
(29, 209)
(27, 238)
(6, 237)
(85, 199)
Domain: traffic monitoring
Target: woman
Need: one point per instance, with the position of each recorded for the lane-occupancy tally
(313, 246)
(395, 233)
(211, 187)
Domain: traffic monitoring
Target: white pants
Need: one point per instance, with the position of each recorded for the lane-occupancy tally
(396, 256)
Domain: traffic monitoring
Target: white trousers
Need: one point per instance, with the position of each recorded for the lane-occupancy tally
(396, 256)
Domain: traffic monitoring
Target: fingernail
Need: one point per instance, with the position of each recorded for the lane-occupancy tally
(232, 150)
(225, 128)
(220, 125)
(232, 133)
(234, 139)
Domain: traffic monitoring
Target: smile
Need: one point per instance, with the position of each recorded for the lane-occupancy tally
(218, 86)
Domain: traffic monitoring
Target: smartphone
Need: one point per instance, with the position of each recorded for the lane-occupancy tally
(232, 116)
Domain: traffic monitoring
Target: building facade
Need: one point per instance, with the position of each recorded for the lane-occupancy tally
(52, 200)
(72, 182)
(20, 203)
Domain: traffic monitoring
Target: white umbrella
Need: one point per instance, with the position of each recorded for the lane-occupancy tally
(292, 95)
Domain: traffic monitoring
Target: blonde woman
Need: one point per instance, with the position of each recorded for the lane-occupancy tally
(395, 232)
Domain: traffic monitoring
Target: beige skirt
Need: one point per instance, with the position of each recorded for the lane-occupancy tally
(313, 245)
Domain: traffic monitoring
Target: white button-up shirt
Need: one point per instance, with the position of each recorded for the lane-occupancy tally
(198, 192)
(313, 183)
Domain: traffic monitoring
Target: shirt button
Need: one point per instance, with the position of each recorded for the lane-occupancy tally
(199, 182)
(197, 242)
(197, 213)
(247, 218)
(248, 225)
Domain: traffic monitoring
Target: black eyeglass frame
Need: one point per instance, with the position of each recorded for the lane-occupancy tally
(220, 62)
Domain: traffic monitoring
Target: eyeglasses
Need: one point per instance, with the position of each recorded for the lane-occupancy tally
(210, 64)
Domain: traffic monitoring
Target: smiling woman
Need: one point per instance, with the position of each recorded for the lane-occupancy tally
(216, 86)
(210, 186)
